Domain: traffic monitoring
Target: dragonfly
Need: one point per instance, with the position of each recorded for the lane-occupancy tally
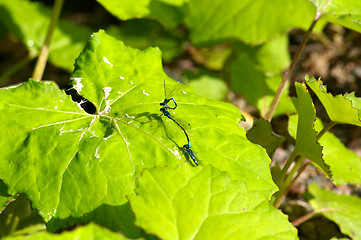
(165, 111)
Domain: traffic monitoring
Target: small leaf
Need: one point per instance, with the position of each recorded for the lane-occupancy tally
(344, 164)
(5, 198)
(207, 85)
(13, 214)
(342, 209)
(306, 144)
(346, 13)
(340, 109)
(29, 21)
(261, 133)
(219, 20)
(256, 73)
(212, 58)
(203, 203)
(89, 232)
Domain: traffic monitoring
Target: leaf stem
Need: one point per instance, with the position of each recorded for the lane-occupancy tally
(44, 52)
(289, 71)
(292, 158)
(285, 185)
(288, 183)
(309, 215)
(325, 129)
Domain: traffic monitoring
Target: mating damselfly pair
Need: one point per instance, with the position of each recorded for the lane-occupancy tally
(165, 111)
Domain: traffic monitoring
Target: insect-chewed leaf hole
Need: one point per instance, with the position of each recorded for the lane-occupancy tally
(88, 106)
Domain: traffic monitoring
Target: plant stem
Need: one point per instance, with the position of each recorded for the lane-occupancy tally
(289, 71)
(325, 129)
(292, 158)
(284, 184)
(309, 215)
(288, 183)
(44, 52)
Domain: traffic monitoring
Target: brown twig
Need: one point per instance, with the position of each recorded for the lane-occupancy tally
(309, 215)
(295, 58)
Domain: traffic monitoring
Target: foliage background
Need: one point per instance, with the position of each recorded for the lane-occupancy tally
(225, 62)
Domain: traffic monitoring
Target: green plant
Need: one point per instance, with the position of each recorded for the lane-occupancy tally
(105, 154)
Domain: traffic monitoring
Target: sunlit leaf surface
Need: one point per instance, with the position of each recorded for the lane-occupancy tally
(203, 203)
(89, 232)
(79, 167)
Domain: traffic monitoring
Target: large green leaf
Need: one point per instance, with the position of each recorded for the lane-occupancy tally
(29, 21)
(168, 12)
(250, 21)
(143, 33)
(203, 203)
(306, 144)
(256, 74)
(344, 164)
(75, 166)
(89, 232)
(340, 109)
(342, 209)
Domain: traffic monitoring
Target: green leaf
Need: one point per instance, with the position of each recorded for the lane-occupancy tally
(207, 84)
(78, 167)
(346, 13)
(261, 133)
(342, 209)
(14, 212)
(143, 33)
(4, 196)
(340, 109)
(212, 58)
(250, 21)
(29, 21)
(168, 12)
(271, 58)
(89, 232)
(344, 164)
(256, 73)
(143, 77)
(203, 203)
(306, 144)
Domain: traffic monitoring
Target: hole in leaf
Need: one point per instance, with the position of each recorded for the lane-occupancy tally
(88, 106)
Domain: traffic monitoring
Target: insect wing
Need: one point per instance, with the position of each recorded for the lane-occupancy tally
(177, 87)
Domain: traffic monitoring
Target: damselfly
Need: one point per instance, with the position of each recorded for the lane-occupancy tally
(165, 111)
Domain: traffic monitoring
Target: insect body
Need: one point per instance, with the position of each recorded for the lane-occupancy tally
(193, 159)
(165, 111)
